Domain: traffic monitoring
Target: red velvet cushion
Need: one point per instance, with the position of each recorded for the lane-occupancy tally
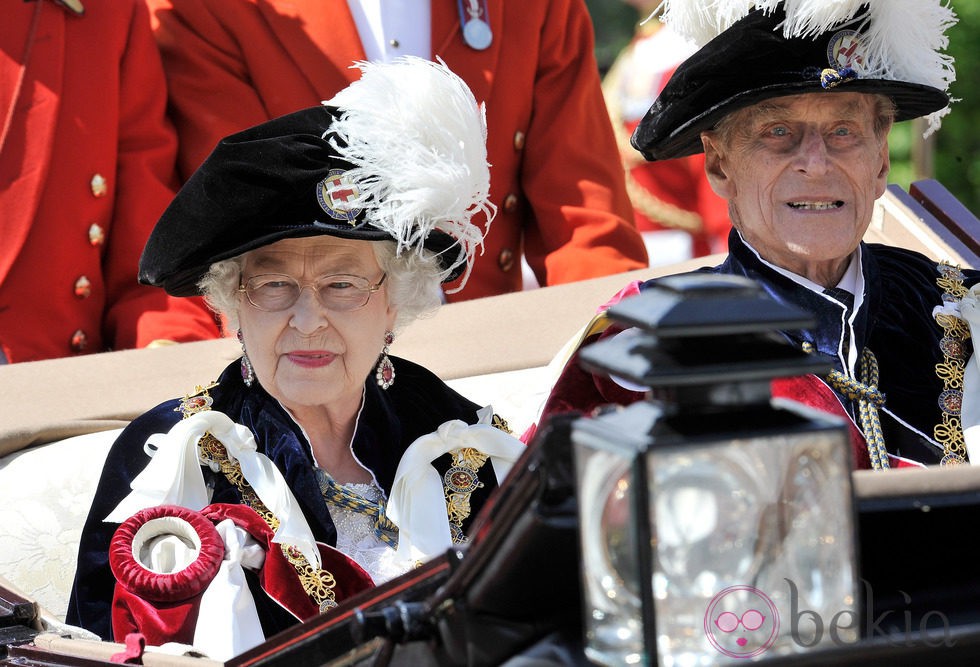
(161, 606)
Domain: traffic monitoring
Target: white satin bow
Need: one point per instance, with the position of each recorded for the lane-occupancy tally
(173, 477)
(418, 503)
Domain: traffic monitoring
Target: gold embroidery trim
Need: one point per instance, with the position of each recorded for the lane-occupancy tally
(319, 584)
(949, 432)
(459, 483)
(500, 423)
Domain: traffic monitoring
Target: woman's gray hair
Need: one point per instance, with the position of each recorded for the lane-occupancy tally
(413, 284)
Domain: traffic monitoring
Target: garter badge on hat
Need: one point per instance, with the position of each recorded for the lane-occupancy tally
(844, 49)
(336, 193)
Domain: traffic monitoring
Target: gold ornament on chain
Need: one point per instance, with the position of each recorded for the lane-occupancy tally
(459, 483)
(949, 432)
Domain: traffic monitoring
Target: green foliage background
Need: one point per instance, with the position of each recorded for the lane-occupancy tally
(951, 155)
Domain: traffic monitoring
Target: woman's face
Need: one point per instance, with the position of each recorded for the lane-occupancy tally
(310, 355)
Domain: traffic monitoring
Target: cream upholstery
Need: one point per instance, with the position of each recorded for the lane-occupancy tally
(45, 493)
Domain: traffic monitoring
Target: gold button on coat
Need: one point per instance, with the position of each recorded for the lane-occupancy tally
(96, 235)
(506, 259)
(83, 287)
(79, 341)
(518, 140)
(100, 187)
(510, 203)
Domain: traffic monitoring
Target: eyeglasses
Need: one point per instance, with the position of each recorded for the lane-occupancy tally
(275, 291)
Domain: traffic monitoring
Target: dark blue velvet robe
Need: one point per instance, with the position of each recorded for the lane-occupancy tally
(895, 322)
(415, 405)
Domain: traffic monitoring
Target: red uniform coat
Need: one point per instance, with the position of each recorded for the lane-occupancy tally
(555, 173)
(666, 194)
(86, 167)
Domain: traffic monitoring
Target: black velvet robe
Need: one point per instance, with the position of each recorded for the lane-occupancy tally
(895, 322)
(415, 405)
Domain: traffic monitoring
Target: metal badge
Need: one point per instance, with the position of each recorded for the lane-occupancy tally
(337, 195)
(845, 49)
(474, 19)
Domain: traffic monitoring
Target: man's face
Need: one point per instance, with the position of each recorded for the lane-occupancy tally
(801, 174)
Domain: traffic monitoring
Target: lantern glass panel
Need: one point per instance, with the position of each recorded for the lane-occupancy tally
(752, 550)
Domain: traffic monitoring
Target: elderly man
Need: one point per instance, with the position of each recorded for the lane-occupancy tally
(792, 112)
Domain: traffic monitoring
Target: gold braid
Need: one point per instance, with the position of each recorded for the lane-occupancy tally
(869, 399)
(650, 206)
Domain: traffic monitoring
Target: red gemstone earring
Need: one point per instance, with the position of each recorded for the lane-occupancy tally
(248, 375)
(385, 375)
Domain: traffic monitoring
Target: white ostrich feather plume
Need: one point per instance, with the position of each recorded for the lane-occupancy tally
(903, 40)
(700, 21)
(812, 17)
(417, 138)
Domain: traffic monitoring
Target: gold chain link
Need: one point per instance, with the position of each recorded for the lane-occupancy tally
(949, 432)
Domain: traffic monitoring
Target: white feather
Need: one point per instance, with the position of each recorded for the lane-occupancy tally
(812, 17)
(418, 139)
(905, 39)
(702, 20)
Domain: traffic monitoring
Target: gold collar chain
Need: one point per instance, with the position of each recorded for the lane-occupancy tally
(319, 584)
(459, 483)
(949, 432)
(462, 479)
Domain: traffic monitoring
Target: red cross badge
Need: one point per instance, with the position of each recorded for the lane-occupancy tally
(337, 194)
(844, 50)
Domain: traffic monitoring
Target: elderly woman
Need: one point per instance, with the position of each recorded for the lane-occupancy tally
(317, 465)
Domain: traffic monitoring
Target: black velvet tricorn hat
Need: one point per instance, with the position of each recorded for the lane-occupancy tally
(754, 59)
(306, 174)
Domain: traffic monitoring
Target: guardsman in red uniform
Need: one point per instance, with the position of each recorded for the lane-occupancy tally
(86, 168)
(675, 209)
(555, 174)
